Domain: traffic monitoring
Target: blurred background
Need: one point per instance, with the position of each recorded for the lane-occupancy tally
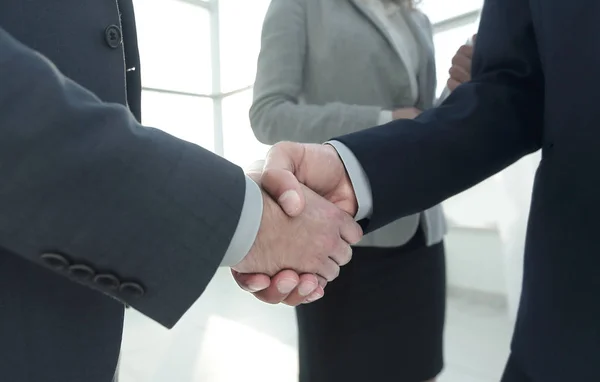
(200, 89)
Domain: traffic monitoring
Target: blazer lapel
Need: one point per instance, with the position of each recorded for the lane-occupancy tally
(427, 73)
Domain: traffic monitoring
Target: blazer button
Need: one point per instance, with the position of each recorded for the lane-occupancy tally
(132, 289)
(54, 260)
(107, 281)
(81, 272)
(113, 36)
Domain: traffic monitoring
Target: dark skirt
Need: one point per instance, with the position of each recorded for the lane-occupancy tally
(381, 320)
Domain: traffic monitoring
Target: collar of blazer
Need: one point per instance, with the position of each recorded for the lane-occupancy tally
(415, 20)
(418, 24)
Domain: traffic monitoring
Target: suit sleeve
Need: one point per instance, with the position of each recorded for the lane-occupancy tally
(87, 191)
(277, 113)
(483, 126)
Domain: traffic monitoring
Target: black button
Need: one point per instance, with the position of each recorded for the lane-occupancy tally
(81, 272)
(113, 36)
(132, 289)
(107, 281)
(55, 260)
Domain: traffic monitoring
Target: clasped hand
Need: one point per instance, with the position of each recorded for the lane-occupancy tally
(307, 226)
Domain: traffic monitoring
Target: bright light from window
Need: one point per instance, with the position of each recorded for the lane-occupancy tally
(440, 10)
(189, 118)
(174, 43)
(241, 25)
(446, 45)
(241, 147)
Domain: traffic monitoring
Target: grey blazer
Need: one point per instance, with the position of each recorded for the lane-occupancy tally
(328, 68)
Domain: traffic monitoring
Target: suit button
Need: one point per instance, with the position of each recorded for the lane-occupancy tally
(132, 289)
(113, 36)
(81, 272)
(54, 260)
(107, 281)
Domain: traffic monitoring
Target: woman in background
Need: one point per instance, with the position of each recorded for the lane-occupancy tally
(329, 68)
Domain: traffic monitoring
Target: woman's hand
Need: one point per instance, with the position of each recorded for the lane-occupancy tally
(405, 113)
(460, 72)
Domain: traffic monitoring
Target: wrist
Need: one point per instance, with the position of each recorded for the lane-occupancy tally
(255, 259)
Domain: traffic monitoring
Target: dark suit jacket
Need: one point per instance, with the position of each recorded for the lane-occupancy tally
(535, 85)
(95, 209)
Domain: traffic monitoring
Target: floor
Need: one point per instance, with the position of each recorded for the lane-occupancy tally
(228, 336)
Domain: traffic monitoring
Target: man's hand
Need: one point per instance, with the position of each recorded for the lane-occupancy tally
(288, 165)
(285, 161)
(318, 241)
(460, 72)
(285, 287)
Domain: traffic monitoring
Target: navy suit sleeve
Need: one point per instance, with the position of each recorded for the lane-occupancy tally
(83, 184)
(484, 126)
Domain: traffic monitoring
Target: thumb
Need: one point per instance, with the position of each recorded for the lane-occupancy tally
(251, 282)
(283, 186)
(278, 178)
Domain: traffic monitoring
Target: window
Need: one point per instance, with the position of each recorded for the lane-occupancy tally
(446, 44)
(174, 43)
(186, 117)
(240, 29)
(240, 45)
(442, 10)
(241, 147)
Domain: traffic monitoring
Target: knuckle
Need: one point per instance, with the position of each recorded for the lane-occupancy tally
(315, 264)
(331, 244)
(281, 145)
(348, 256)
(343, 254)
(335, 272)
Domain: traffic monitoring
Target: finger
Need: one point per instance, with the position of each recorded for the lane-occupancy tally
(329, 270)
(282, 284)
(255, 167)
(350, 231)
(251, 282)
(314, 296)
(465, 50)
(459, 74)
(322, 281)
(474, 38)
(343, 254)
(278, 177)
(463, 62)
(308, 284)
(452, 84)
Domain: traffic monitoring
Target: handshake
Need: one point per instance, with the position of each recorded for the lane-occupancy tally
(307, 224)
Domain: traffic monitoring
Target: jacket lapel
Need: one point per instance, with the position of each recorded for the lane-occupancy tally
(426, 77)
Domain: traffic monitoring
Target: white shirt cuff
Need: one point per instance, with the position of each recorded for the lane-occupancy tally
(359, 179)
(247, 227)
(385, 116)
